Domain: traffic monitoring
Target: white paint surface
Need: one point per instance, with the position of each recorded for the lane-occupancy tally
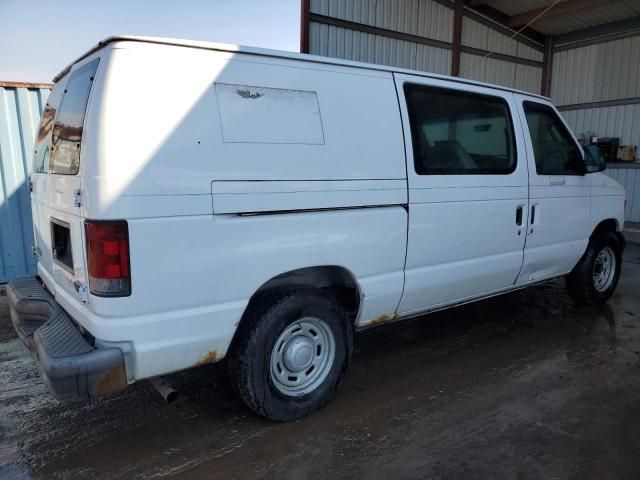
(268, 115)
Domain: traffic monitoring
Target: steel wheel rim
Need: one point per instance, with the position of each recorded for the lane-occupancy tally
(302, 356)
(604, 269)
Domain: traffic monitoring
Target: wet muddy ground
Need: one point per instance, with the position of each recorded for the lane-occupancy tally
(522, 386)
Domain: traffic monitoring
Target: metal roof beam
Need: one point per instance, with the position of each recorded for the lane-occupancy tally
(408, 37)
(597, 34)
(564, 7)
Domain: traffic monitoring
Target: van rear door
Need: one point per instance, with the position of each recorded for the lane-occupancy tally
(56, 182)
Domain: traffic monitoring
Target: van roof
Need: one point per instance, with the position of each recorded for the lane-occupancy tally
(227, 47)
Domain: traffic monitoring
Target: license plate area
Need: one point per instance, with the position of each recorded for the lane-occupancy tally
(61, 244)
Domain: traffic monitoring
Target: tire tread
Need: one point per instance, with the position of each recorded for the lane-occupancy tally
(271, 303)
(579, 282)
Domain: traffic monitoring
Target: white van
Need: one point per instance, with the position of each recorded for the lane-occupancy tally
(197, 201)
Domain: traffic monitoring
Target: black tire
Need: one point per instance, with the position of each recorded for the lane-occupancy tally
(250, 359)
(580, 282)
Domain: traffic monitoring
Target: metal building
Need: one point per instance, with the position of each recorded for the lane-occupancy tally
(434, 35)
(584, 54)
(20, 107)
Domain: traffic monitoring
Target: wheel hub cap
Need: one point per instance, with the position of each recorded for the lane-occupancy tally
(302, 356)
(298, 354)
(604, 269)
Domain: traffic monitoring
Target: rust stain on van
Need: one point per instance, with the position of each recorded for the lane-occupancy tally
(114, 380)
(210, 357)
(383, 318)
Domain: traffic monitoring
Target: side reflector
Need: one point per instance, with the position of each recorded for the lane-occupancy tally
(108, 257)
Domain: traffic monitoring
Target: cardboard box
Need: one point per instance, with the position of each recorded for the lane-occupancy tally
(626, 154)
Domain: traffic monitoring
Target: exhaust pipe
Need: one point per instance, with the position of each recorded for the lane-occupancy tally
(164, 388)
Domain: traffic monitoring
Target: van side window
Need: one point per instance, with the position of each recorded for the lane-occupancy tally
(555, 150)
(69, 121)
(459, 133)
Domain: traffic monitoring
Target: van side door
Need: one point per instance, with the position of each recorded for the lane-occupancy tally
(559, 193)
(468, 191)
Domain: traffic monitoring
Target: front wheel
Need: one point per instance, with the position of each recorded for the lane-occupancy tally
(595, 277)
(291, 352)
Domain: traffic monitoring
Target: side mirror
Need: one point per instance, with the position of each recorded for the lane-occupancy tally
(593, 159)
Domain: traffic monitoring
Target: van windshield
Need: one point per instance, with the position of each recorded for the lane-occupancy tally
(66, 134)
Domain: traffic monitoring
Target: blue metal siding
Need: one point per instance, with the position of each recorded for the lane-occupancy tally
(629, 178)
(20, 110)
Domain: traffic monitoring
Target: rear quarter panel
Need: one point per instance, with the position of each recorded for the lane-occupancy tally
(193, 276)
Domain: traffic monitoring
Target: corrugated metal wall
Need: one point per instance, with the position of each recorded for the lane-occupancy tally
(429, 20)
(618, 121)
(586, 80)
(500, 72)
(20, 110)
(629, 178)
(332, 41)
(425, 18)
(492, 70)
(433, 21)
(595, 73)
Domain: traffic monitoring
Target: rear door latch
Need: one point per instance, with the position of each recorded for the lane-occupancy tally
(76, 197)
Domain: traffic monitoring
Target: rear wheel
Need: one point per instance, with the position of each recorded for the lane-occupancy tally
(291, 352)
(595, 277)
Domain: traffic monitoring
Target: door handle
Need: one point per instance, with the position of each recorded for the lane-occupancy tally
(558, 180)
(532, 220)
(519, 215)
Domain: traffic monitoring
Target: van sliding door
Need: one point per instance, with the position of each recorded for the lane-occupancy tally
(468, 191)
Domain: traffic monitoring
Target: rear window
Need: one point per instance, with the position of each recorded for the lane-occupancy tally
(43, 138)
(66, 134)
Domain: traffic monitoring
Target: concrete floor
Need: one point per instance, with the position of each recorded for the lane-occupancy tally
(522, 386)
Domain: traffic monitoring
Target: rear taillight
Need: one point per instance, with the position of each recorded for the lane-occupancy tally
(108, 258)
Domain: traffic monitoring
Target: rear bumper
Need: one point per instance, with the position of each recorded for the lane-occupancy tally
(71, 367)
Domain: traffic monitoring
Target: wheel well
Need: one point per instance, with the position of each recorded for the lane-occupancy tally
(609, 225)
(338, 280)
